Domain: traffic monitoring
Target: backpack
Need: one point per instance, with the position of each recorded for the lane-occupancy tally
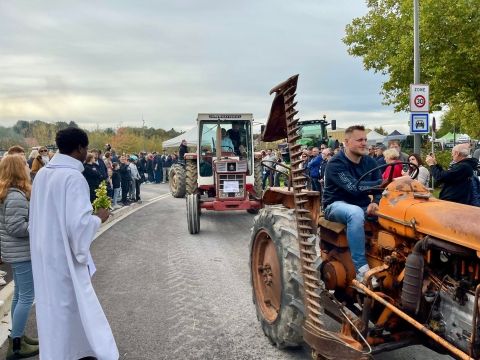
(475, 191)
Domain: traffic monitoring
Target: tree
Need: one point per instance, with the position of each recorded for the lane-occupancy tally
(381, 131)
(449, 44)
(462, 117)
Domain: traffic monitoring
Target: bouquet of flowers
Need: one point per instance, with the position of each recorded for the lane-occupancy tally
(102, 201)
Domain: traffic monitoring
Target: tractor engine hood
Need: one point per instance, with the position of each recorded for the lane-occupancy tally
(406, 209)
(276, 127)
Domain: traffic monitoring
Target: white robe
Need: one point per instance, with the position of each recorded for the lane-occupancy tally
(71, 323)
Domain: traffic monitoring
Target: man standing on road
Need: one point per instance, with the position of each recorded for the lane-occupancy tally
(71, 323)
(342, 201)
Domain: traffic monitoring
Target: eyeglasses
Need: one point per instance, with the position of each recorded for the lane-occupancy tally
(43, 150)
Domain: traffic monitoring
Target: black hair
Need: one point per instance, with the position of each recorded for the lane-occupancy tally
(68, 140)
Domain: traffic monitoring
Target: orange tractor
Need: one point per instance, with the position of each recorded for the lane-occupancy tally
(424, 252)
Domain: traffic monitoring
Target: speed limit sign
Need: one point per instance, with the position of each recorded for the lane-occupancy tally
(419, 98)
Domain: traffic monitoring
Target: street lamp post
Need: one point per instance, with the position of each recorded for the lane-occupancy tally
(417, 139)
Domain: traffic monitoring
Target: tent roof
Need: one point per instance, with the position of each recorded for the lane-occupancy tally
(191, 136)
(374, 137)
(395, 132)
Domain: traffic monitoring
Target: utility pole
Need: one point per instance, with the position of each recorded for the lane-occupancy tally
(417, 139)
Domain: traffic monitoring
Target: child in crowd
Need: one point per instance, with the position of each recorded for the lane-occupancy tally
(109, 183)
(116, 184)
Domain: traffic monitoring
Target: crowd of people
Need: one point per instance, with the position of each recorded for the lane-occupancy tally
(46, 228)
(461, 175)
(45, 208)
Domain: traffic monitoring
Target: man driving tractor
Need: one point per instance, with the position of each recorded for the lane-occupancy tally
(347, 202)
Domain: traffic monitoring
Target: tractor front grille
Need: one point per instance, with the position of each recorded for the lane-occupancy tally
(231, 186)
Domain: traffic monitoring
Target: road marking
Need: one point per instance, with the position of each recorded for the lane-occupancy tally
(128, 213)
(5, 318)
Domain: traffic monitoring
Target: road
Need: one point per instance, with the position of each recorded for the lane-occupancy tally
(171, 295)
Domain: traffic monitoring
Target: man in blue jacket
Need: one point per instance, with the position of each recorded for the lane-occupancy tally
(314, 168)
(342, 201)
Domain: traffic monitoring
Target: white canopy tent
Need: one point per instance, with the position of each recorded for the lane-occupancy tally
(374, 137)
(191, 136)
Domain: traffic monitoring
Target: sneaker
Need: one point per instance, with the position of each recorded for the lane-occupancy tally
(2, 273)
(2, 281)
(361, 276)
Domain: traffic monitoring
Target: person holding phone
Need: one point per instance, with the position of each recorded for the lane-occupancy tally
(423, 173)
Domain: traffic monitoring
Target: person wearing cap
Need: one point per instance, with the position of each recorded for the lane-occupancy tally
(379, 149)
(135, 178)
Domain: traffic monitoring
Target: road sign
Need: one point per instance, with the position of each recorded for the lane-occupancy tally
(419, 123)
(419, 98)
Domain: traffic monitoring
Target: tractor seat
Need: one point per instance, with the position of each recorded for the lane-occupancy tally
(332, 232)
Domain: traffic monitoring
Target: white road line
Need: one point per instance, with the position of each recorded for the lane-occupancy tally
(110, 224)
(5, 318)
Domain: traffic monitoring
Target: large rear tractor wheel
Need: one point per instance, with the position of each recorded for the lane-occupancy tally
(257, 172)
(176, 180)
(193, 213)
(191, 177)
(276, 276)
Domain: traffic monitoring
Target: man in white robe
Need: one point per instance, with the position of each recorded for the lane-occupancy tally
(71, 323)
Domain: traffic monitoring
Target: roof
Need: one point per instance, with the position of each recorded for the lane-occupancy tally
(191, 136)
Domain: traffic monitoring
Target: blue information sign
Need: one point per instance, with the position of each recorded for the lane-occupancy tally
(419, 123)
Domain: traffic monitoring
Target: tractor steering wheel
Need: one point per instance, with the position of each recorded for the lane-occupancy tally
(384, 184)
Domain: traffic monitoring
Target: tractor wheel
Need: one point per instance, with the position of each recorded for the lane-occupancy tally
(275, 276)
(176, 180)
(193, 213)
(257, 172)
(191, 177)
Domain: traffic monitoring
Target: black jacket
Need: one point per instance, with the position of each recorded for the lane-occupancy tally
(181, 151)
(94, 177)
(115, 179)
(341, 176)
(125, 173)
(456, 180)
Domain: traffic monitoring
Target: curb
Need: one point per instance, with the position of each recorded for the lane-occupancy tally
(6, 294)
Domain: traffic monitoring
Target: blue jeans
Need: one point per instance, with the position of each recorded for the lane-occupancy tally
(354, 217)
(23, 296)
(116, 196)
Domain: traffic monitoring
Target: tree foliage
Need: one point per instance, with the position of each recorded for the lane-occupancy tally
(449, 46)
(381, 130)
(124, 140)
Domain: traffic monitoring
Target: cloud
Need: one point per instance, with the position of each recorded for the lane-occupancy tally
(110, 62)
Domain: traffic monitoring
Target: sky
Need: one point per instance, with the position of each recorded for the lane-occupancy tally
(112, 63)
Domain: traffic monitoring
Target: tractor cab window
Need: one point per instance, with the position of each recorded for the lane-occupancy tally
(235, 141)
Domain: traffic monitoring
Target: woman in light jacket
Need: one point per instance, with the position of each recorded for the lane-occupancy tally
(423, 173)
(14, 204)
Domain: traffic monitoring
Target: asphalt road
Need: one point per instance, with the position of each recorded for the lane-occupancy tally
(172, 295)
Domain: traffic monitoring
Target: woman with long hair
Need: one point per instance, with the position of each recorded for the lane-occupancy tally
(423, 173)
(15, 188)
(40, 161)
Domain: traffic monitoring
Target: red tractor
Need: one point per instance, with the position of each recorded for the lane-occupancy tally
(223, 174)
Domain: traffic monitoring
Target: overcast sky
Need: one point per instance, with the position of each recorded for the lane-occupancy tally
(105, 63)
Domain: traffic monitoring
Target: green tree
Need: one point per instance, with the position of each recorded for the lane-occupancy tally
(381, 130)
(449, 45)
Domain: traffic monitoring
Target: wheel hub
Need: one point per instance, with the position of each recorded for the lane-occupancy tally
(267, 278)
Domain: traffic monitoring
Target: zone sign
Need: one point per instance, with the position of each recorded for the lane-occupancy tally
(419, 99)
